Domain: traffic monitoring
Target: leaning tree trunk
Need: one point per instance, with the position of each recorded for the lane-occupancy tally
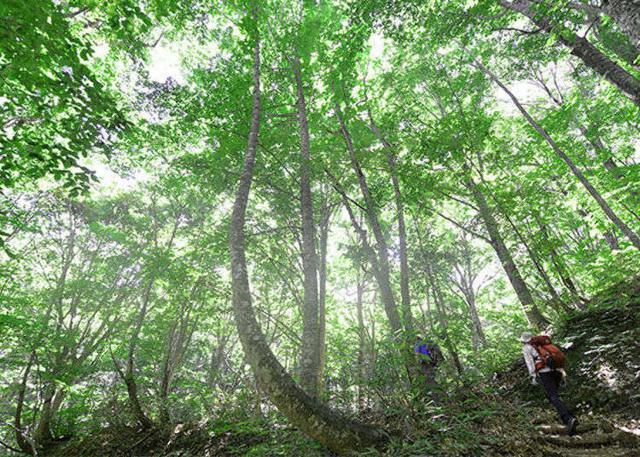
(310, 353)
(534, 316)
(581, 48)
(624, 228)
(316, 420)
(555, 297)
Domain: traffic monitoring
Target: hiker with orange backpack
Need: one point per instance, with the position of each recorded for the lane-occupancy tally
(547, 361)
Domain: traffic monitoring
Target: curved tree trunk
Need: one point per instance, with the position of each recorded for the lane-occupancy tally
(314, 419)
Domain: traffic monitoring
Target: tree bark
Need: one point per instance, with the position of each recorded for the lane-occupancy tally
(384, 270)
(23, 442)
(624, 228)
(362, 342)
(581, 48)
(626, 13)
(322, 296)
(316, 420)
(534, 316)
(402, 231)
(561, 269)
(129, 376)
(442, 319)
(466, 286)
(310, 352)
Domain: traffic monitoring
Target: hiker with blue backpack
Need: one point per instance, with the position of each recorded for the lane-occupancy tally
(429, 356)
(546, 362)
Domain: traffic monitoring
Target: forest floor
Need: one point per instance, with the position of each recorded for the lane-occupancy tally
(505, 416)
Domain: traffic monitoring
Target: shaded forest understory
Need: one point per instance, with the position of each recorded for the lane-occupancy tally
(318, 227)
(498, 416)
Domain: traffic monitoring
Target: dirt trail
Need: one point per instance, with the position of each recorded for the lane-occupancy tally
(592, 439)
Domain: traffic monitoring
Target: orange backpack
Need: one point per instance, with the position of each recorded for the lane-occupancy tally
(549, 356)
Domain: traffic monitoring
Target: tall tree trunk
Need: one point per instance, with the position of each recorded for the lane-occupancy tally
(384, 276)
(42, 435)
(402, 231)
(442, 318)
(322, 296)
(383, 270)
(129, 375)
(533, 256)
(310, 353)
(624, 228)
(362, 342)
(561, 268)
(479, 338)
(25, 444)
(316, 420)
(534, 316)
(581, 48)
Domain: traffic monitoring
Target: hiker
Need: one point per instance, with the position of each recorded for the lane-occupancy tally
(429, 356)
(546, 362)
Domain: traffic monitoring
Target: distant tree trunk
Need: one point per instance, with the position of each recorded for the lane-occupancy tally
(581, 48)
(310, 352)
(630, 234)
(23, 442)
(402, 231)
(316, 420)
(626, 13)
(43, 436)
(384, 276)
(177, 344)
(534, 316)
(442, 318)
(362, 343)
(561, 269)
(466, 286)
(129, 376)
(555, 297)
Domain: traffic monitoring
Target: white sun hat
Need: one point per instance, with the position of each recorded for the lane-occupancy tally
(526, 336)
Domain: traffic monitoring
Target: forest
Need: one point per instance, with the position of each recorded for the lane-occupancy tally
(318, 227)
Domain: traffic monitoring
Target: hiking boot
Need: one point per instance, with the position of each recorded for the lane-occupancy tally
(571, 426)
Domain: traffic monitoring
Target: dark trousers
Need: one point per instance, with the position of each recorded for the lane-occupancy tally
(551, 382)
(429, 372)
